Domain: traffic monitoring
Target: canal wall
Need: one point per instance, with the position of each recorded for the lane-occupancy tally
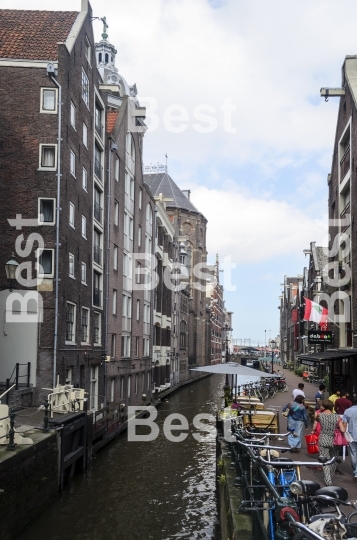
(234, 525)
(28, 482)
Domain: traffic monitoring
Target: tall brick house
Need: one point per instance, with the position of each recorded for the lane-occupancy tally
(52, 155)
(130, 233)
(215, 319)
(190, 230)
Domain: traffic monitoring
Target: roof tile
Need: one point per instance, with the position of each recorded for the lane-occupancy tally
(111, 118)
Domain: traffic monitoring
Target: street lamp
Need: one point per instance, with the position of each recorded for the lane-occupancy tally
(11, 269)
(272, 344)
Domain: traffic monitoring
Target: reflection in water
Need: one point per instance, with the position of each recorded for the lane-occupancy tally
(134, 490)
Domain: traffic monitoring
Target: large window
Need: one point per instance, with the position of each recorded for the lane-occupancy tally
(116, 213)
(46, 211)
(183, 334)
(73, 115)
(84, 227)
(48, 100)
(128, 232)
(97, 249)
(88, 53)
(116, 169)
(84, 179)
(98, 168)
(85, 135)
(71, 214)
(129, 192)
(125, 346)
(115, 301)
(48, 157)
(73, 163)
(115, 258)
(98, 121)
(85, 88)
(139, 235)
(71, 265)
(85, 325)
(70, 322)
(84, 273)
(126, 313)
(98, 210)
(97, 289)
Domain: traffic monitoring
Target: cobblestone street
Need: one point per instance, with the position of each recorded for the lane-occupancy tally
(343, 476)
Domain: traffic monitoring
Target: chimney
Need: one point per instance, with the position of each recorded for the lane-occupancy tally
(187, 193)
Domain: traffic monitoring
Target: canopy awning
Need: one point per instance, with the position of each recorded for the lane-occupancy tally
(232, 368)
(331, 355)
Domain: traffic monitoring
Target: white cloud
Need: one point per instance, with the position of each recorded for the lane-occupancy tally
(251, 229)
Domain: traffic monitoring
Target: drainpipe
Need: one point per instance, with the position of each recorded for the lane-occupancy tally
(52, 74)
(113, 148)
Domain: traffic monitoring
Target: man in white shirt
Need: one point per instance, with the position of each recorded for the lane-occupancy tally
(299, 391)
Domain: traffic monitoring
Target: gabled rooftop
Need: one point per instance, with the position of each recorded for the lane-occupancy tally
(33, 35)
(163, 183)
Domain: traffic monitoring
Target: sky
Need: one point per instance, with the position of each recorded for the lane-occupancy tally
(252, 138)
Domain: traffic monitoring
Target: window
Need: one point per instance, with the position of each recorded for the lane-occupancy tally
(126, 313)
(183, 330)
(84, 179)
(116, 213)
(137, 347)
(85, 325)
(140, 198)
(98, 210)
(113, 346)
(45, 263)
(139, 235)
(136, 383)
(97, 250)
(84, 273)
(129, 386)
(128, 232)
(85, 135)
(93, 387)
(138, 273)
(85, 88)
(149, 219)
(97, 289)
(71, 214)
(88, 53)
(138, 310)
(71, 265)
(70, 321)
(115, 258)
(84, 227)
(98, 169)
(97, 328)
(73, 115)
(48, 100)
(114, 302)
(112, 390)
(129, 192)
(69, 374)
(48, 156)
(116, 169)
(148, 384)
(46, 211)
(146, 346)
(73, 163)
(125, 346)
(98, 121)
(122, 387)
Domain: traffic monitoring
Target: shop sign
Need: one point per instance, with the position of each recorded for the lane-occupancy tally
(310, 363)
(319, 336)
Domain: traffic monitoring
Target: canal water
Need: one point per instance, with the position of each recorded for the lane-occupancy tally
(144, 490)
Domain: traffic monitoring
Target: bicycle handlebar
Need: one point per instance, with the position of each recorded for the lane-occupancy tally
(296, 463)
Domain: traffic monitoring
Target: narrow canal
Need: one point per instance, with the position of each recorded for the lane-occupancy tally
(144, 490)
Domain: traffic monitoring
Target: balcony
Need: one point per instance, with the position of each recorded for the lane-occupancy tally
(345, 163)
(98, 169)
(99, 129)
(98, 212)
(97, 255)
(97, 297)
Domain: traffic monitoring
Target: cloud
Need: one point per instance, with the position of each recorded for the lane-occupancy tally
(253, 230)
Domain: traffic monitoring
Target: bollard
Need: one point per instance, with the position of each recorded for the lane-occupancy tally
(12, 445)
(45, 421)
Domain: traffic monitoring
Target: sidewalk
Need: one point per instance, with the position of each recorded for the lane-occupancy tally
(345, 477)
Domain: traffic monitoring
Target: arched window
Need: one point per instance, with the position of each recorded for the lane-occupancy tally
(106, 58)
(100, 57)
(183, 333)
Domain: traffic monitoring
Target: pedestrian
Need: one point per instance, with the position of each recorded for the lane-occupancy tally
(299, 391)
(297, 419)
(319, 397)
(342, 403)
(350, 422)
(329, 421)
(335, 396)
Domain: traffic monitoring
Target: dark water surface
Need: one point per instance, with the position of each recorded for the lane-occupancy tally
(144, 490)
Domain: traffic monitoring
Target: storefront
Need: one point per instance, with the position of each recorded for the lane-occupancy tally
(339, 364)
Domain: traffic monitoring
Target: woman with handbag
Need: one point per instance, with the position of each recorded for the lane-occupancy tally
(331, 437)
(297, 419)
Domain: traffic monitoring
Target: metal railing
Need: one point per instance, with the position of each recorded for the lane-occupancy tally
(345, 163)
(15, 376)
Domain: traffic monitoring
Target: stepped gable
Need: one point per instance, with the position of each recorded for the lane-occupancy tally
(33, 35)
(163, 183)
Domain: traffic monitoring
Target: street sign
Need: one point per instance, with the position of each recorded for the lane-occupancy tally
(319, 336)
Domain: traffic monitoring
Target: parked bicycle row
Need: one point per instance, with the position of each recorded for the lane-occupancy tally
(265, 388)
(283, 505)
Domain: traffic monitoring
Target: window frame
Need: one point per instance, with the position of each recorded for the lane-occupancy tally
(85, 175)
(72, 206)
(116, 213)
(73, 115)
(72, 163)
(115, 257)
(85, 92)
(116, 169)
(48, 111)
(99, 342)
(84, 222)
(85, 138)
(88, 51)
(40, 222)
(70, 255)
(83, 265)
(40, 166)
(115, 302)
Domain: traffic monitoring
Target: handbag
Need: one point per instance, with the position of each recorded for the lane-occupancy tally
(287, 411)
(348, 436)
(339, 438)
(311, 443)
